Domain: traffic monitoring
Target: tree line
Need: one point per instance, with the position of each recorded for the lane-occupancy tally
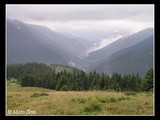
(42, 75)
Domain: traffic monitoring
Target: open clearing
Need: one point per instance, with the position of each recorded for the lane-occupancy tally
(40, 101)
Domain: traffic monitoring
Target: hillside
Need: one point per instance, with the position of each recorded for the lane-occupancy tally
(130, 54)
(29, 43)
(135, 59)
(120, 44)
(69, 43)
(24, 46)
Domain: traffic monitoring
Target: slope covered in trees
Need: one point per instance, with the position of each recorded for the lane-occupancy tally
(42, 75)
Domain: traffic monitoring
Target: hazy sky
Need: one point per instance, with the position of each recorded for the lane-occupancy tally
(93, 22)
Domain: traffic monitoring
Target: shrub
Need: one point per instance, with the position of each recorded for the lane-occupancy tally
(102, 99)
(73, 100)
(112, 100)
(145, 103)
(79, 100)
(130, 93)
(39, 94)
(82, 100)
(92, 106)
(123, 98)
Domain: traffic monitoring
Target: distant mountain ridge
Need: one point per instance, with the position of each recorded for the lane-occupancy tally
(135, 59)
(30, 43)
(72, 44)
(34, 43)
(119, 45)
(25, 46)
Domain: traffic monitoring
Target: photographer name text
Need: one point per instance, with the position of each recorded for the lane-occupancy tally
(21, 112)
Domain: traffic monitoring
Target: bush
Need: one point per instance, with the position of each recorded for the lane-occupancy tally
(112, 100)
(130, 93)
(79, 100)
(39, 94)
(92, 106)
(145, 103)
(123, 98)
(82, 100)
(102, 99)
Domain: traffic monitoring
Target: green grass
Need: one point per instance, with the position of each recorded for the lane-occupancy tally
(92, 107)
(78, 100)
(51, 102)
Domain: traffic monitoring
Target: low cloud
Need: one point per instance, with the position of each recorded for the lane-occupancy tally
(92, 22)
(80, 12)
(103, 43)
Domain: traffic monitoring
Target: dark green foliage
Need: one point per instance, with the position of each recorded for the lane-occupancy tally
(48, 80)
(42, 75)
(15, 70)
(64, 88)
(62, 84)
(28, 80)
(147, 83)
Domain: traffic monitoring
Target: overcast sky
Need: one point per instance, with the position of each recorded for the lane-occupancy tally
(93, 22)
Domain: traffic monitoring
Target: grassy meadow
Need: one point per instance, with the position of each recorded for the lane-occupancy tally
(40, 101)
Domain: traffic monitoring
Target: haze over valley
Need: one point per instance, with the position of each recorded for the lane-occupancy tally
(106, 41)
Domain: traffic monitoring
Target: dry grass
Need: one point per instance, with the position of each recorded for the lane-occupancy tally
(76, 103)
